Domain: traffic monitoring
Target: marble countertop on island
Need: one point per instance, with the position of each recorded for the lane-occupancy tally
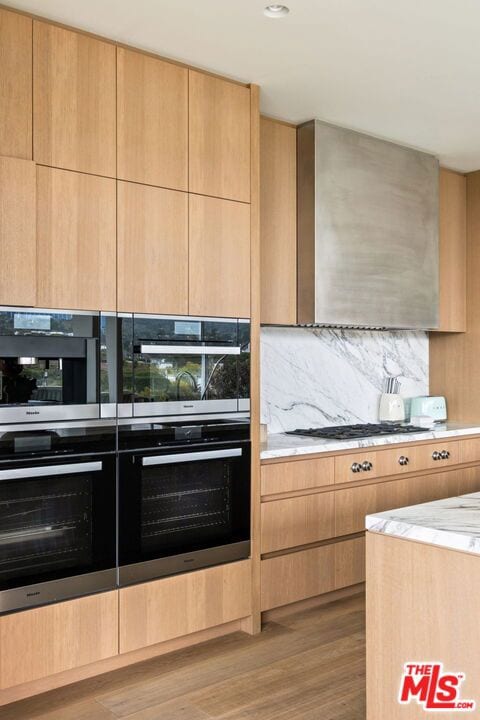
(452, 523)
(281, 445)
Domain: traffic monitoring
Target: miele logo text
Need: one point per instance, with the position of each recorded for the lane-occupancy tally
(428, 685)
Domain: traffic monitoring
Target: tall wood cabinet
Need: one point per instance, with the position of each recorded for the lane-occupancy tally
(74, 100)
(219, 257)
(15, 85)
(76, 240)
(17, 232)
(219, 137)
(278, 222)
(152, 120)
(152, 249)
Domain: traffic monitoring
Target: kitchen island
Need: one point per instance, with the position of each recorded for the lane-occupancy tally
(423, 629)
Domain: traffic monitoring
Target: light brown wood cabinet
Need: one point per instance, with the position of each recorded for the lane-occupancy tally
(353, 504)
(219, 257)
(152, 249)
(453, 252)
(165, 609)
(306, 573)
(48, 640)
(152, 120)
(297, 521)
(219, 137)
(278, 222)
(297, 475)
(15, 85)
(74, 100)
(17, 232)
(76, 240)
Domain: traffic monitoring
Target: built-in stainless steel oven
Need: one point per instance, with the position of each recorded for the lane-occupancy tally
(57, 512)
(56, 365)
(183, 366)
(184, 496)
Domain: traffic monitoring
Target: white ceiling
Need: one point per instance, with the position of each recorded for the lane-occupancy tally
(405, 70)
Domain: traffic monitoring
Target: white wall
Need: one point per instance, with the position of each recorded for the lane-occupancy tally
(317, 377)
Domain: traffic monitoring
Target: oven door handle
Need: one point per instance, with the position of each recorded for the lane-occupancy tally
(189, 350)
(190, 457)
(48, 470)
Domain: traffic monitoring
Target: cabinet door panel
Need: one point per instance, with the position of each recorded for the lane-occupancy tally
(165, 609)
(219, 137)
(152, 250)
(352, 505)
(219, 265)
(76, 240)
(15, 85)
(296, 576)
(74, 100)
(66, 635)
(152, 118)
(278, 222)
(17, 232)
(297, 521)
(285, 477)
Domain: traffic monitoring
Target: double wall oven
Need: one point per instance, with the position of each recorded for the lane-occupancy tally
(124, 450)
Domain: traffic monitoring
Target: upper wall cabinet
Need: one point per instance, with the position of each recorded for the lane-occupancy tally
(219, 137)
(453, 251)
(76, 240)
(152, 249)
(278, 222)
(152, 120)
(219, 257)
(17, 232)
(15, 85)
(74, 101)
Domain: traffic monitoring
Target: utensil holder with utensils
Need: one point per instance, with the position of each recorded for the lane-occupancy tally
(392, 407)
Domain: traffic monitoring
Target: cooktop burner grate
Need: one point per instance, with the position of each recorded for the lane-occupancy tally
(351, 432)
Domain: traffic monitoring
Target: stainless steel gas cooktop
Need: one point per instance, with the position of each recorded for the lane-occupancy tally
(352, 432)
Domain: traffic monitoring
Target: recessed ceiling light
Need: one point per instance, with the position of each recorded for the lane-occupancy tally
(276, 11)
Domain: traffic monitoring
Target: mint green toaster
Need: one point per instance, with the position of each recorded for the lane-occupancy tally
(434, 407)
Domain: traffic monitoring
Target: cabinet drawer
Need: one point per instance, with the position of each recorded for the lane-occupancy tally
(296, 576)
(300, 575)
(297, 521)
(66, 635)
(297, 475)
(349, 562)
(161, 610)
(470, 450)
(398, 461)
(353, 504)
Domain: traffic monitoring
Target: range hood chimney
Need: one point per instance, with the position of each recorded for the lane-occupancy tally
(367, 231)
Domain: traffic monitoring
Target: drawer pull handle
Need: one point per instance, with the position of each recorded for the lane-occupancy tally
(436, 455)
(367, 466)
(356, 467)
(445, 454)
(403, 460)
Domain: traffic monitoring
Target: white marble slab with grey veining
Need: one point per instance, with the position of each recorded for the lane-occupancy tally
(452, 523)
(280, 445)
(322, 376)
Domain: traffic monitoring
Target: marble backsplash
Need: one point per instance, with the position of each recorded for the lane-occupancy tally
(316, 377)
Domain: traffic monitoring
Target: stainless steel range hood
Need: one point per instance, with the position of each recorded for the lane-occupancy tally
(367, 231)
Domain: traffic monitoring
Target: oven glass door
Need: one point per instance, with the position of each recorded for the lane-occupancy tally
(57, 519)
(182, 501)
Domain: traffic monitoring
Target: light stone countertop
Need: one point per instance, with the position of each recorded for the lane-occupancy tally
(452, 523)
(280, 445)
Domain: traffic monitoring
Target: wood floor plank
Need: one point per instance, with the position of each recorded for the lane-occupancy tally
(309, 665)
(284, 680)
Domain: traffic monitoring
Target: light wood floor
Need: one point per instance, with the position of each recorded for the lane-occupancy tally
(304, 666)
